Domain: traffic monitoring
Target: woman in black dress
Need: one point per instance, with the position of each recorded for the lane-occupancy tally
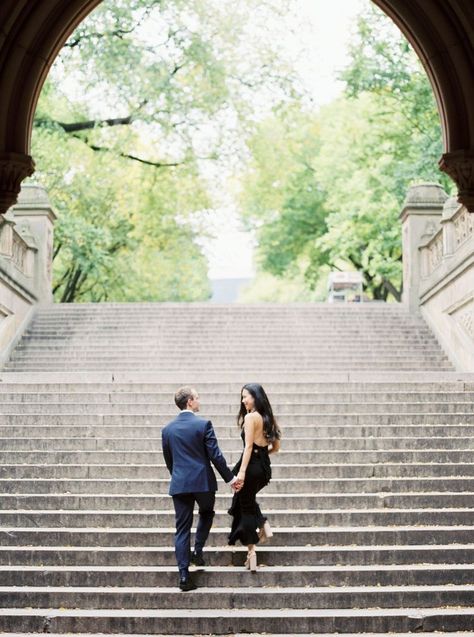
(261, 437)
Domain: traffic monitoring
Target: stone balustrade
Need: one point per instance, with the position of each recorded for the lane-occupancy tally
(438, 255)
(26, 247)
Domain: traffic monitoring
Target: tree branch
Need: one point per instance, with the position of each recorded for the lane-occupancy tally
(92, 123)
(147, 162)
(391, 289)
(116, 33)
(57, 249)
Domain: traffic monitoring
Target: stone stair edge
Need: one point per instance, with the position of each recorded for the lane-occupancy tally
(171, 378)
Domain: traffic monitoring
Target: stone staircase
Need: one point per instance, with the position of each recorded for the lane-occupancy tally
(371, 501)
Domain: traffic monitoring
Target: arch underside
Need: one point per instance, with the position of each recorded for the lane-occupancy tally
(33, 33)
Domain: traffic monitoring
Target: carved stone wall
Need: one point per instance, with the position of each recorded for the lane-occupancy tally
(442, 289)
(26, 243)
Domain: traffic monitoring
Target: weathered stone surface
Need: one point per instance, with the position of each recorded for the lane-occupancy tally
(371, 501)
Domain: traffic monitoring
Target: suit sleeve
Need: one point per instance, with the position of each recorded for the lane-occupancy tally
(166, 452)
(214, 453)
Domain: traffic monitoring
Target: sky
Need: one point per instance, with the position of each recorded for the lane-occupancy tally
(325, 39)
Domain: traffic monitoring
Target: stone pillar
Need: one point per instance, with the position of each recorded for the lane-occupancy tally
(421, 217)
(14, 168)
(7, 223)
(35, 221)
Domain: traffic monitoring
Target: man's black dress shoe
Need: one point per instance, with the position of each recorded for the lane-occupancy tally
(197, 559)
(187, 584)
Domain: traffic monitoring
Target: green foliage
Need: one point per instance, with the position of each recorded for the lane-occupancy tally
(117, 236)
(280, 195)
(118, 140)
(341, 175)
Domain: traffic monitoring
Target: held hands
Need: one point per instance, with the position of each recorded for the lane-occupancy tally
(239, 483)
(236, 486)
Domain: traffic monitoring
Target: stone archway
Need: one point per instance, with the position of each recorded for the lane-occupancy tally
(32, 34)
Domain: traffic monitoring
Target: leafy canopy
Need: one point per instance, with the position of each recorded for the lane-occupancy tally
(324, 189)
(143, 94)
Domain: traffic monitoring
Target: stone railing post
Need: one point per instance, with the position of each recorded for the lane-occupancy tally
(7, 223)
(421, 217)
(449, 231)
(35, 218)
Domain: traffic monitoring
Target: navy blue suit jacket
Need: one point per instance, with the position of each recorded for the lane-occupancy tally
(189, 447)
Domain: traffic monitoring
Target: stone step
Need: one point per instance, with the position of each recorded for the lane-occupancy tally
(190, 311)
(284, 457)
(216, 412)
(232, 576)
(286, 484)
(278, 517)
(229, 420)
(263, 333)
(237, 355)
(366, 634)
(285, 346)
(268, 501)
(190, 370)
(208, 324)
(24, 441)
(283, 536)
(229, 399)
(294, 457)
(209, 321)
(297, 597)
(163, 336)
(89, 343)
(225, 622)
(394, 634)
(345, 382)
(162, 339)
(291, 432)
(229, 308)
(43, 470)
(237, 359)
(226, 556)
(214, 316)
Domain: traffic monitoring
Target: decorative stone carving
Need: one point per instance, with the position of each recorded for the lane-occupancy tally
(464, 316)
(463, 226)
(14, 167)
(436, 251)
(460, 167)
(19, 252)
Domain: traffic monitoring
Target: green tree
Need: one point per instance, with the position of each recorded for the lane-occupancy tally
(143, 92)
(281, 198)
(360, 154)
(112, 218)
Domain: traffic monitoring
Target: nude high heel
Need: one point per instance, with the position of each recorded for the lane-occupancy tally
(251, 561)
(265, 532)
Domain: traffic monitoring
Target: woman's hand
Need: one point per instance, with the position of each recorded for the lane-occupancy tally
(241, 476)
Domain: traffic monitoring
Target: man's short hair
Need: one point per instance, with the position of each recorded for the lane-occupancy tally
(182, 396)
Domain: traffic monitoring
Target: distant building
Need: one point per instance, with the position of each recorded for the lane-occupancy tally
(345, 286)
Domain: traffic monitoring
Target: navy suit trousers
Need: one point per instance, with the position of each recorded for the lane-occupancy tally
(184, 508)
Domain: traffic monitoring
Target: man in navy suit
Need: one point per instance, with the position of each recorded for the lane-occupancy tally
(189, 447)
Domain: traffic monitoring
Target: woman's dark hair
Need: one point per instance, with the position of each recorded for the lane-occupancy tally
(271, 430)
